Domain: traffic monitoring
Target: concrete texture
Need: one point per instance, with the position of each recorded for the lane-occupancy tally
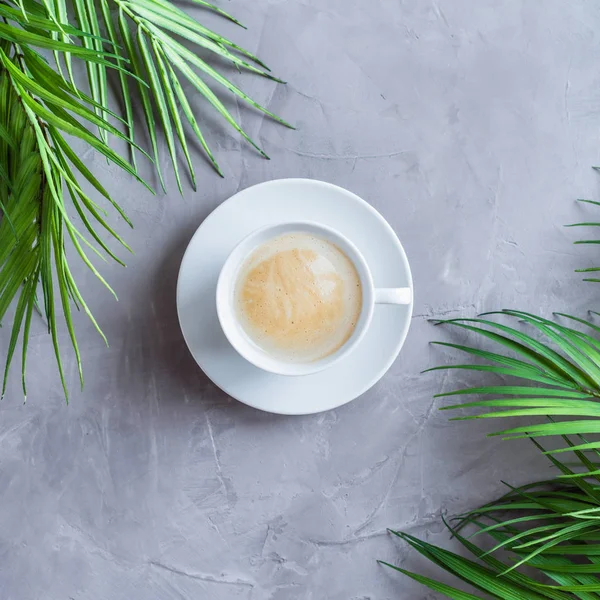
(472, 127)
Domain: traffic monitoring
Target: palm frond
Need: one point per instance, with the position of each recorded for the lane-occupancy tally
(556, 372)
(145, 35)
(548, 368)
(589, 224)
(37, 107)
(41, 176)
(553, 528)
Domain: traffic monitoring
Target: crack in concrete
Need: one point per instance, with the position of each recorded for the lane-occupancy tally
(346, 156)
(353, 540)
(432, 313)
(202, 576)
(394, 479)
(215, 454)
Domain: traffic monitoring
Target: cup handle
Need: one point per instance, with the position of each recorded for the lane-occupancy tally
(393, 296)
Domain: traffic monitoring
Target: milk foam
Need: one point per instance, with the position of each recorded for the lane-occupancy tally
(298, 297)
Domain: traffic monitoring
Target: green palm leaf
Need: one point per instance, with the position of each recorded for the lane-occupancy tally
(562, 557)
(156, 57)
(35, 157)
(587, 224)
(562, 369)
(41, 177)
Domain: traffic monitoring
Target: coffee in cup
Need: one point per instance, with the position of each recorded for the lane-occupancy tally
(298, 297)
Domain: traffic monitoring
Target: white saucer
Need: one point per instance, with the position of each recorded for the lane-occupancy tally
(275, 202)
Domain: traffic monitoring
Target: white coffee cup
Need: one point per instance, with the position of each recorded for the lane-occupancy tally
(238, 338)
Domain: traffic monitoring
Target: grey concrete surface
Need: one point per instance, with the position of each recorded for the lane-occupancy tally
(472, 127)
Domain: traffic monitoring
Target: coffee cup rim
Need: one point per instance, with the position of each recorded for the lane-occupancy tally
(225, 306)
